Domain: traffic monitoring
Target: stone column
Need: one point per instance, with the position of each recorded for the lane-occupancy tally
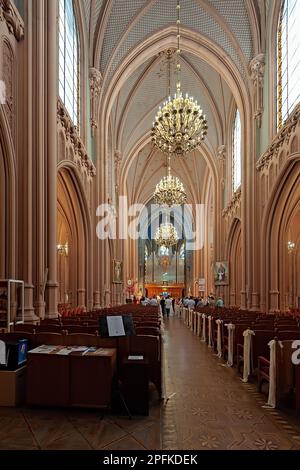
(51, 155)
(36, 10)
(26, 196)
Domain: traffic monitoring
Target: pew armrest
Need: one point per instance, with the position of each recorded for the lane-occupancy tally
(262, 361)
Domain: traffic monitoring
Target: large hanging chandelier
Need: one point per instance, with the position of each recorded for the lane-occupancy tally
(170, 190)
(180, 125)
(166, 235)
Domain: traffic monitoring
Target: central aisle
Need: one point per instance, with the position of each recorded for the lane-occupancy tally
(209, 407)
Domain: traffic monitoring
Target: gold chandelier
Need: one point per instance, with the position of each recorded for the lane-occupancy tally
(170, 190)
(166, 235)
(180, 125)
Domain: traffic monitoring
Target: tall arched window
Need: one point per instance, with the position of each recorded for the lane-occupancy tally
(68, 60)
(288, 60)
(236, 152)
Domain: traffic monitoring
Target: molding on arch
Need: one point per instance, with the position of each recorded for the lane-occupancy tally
(146, 139)
(234, 226)
(9, 159)
(256, 26)
(276, 211)
(68, 174)
(271, 40)
(218, 121)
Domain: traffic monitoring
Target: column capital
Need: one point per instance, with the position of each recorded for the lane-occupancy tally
(10, 14)
(257, 68)
(96, 81)
(257, 72)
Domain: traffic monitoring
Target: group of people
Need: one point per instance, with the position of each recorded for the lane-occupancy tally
(209, 301)
(167, 304)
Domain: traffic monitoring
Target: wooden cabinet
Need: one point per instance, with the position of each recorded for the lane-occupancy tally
(12, 387)
(71, 380)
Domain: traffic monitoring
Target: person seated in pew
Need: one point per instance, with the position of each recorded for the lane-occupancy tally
(219, 302)
(191, 303)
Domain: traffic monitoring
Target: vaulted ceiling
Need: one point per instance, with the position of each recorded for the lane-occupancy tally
(117, 27)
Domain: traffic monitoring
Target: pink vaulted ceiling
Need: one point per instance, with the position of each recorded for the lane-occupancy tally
(128, 22)
(148, 167)
(117, 27)
(138, 100)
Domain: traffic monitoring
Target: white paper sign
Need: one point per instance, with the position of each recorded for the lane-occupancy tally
(115, 326)
(2, 353)
(201, 284)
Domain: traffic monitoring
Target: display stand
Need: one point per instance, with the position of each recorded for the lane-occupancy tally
(7, 285)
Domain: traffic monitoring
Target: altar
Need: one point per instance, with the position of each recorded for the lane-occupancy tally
(174, 290)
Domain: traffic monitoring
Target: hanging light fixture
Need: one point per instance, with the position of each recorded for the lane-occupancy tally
(180, 125)
(170, 190)
(291, 246)
(166, 235)
(63, 250)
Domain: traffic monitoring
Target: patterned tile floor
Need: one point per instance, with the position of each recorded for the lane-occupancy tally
(212, 408)
(206, 407)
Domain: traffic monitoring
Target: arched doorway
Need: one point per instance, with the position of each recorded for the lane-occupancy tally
(281, 233)
(235, 264)
(72, 240)
(292, 258)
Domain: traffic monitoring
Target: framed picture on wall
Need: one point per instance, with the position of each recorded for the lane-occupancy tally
(221, 276)
(117, 272)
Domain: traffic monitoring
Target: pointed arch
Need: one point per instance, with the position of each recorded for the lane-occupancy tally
(283, 198)
(74, 228)
(233, 254)
(8, 223)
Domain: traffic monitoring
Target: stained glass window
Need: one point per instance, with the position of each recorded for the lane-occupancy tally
(236, 152)
(288, 60)
(68, 59)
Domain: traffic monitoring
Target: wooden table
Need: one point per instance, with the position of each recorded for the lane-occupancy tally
(70, 380)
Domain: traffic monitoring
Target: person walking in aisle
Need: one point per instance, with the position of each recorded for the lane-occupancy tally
(168, 306)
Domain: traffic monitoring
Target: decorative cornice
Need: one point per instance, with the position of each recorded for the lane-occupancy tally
(95, 87)
(233, 205)
(257, 72)
(10, 14)
(81, 157)
(283, 136)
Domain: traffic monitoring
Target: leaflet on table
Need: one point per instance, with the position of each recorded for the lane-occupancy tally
(44, 349)
(60, 350)
(98, 352)
(135, 358)
(71, 349)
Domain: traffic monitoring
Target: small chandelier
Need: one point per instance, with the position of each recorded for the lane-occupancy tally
(166, 235)
(63, 250)
(180, 125)
(170, 190)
